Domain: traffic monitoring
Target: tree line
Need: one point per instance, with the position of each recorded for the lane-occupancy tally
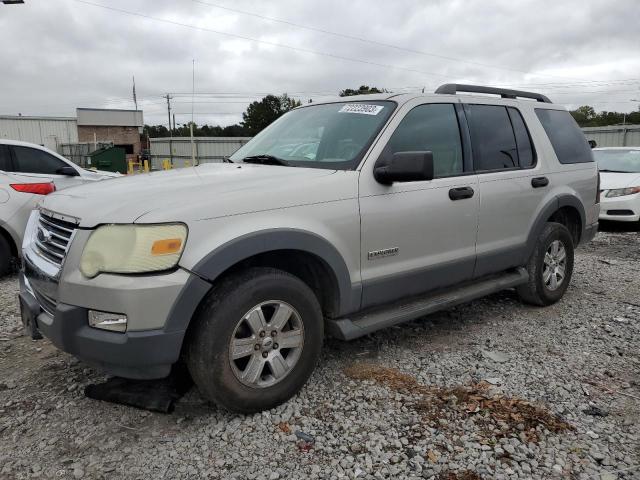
(261, 113)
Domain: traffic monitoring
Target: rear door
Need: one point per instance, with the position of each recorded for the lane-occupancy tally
(415, 236)
(512, 184)
(39, 163)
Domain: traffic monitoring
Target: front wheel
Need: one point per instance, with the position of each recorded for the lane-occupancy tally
(550, 266)
(255, 340)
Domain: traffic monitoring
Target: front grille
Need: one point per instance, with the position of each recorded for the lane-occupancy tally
(52, 238)
(47, 303)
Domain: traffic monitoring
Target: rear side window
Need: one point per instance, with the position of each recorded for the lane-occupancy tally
(5, 159)
(493, 142)
(32, 160)
(526, 152)
(432, 127)
(567, 139)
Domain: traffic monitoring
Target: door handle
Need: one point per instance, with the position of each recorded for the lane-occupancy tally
(461, 193)
(539, 182)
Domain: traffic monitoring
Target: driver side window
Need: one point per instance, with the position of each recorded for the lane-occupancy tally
(432, 127)
(32, 160)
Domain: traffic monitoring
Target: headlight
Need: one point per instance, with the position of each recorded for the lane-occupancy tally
(620, 192)
(133, 249)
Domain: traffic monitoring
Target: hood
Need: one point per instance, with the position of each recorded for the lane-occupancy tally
(196, 193)
(611, 180)
(99, 175)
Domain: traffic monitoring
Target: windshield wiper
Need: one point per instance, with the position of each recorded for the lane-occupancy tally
(265, 160)
(614, 171)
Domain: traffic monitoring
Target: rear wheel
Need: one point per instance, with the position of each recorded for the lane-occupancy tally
(5, 256)
(256, 340)
(550, 266)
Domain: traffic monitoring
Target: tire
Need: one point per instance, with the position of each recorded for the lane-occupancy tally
(539, 289)
(5, 257)
(233, 312)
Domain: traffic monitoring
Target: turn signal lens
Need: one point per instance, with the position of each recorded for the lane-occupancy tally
(166, 247)
(35, 188)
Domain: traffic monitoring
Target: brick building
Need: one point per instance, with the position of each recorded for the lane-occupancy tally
(122, 127)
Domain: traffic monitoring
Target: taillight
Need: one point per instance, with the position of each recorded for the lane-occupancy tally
(35, 188)
(598, 190)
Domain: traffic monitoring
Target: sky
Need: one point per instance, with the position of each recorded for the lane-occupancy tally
(61, 54)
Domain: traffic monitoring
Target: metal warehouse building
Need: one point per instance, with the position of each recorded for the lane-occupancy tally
(614, 135)
(208, 149)
(90, 127)
(47, 131)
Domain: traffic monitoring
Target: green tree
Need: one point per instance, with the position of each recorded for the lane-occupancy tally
(363, 90)
(586, 116)
(260, 114)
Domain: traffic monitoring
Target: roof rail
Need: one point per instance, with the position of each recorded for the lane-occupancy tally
(453, 88)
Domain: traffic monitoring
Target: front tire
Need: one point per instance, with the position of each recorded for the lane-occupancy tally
(550, 266)
(256, 340)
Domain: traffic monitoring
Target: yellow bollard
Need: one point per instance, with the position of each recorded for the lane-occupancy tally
(146, 166)
(130, 167)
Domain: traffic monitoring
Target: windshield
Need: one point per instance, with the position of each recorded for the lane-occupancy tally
(334, 135)
(625, 161)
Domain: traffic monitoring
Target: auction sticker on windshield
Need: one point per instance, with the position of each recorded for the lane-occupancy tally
(362, 108)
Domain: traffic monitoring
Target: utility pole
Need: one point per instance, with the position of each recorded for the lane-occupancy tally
(193, 92)
(170, 131)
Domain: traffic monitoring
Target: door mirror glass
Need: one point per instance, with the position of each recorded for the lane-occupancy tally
(404, 167)
(68, 171)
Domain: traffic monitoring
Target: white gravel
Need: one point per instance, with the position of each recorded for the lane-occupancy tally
(578, 354)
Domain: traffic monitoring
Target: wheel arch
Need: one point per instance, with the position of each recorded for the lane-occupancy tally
(565, 209)
(304, 254)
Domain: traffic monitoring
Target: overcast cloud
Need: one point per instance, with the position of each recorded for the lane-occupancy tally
(57, 55)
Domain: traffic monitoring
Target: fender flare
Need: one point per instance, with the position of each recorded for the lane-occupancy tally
(564, 200)
(207, 270)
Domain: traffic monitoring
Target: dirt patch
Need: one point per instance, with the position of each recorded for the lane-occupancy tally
(501, 416)
(465, 475)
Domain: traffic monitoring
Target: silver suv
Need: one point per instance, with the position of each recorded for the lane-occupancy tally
(341, 217)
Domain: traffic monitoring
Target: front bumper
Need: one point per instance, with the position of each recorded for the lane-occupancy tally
(620, 209)
(142, 355)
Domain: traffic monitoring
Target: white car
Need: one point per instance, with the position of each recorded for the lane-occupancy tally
(29, 158)
(620, 183)
(19, 195)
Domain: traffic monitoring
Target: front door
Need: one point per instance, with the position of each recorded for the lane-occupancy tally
(419, 236)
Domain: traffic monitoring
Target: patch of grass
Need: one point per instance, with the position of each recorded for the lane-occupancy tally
(502, 415)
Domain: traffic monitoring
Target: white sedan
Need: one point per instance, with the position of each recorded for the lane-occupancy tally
(619, 183)
(31, 159)
(19, 194)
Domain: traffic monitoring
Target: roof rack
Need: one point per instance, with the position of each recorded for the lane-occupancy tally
(453, 88)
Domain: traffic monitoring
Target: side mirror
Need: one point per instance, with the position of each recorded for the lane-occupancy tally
(404, 167)
(68, 171)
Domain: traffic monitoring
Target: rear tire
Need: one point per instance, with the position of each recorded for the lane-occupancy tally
(6, 257)
(550, 266)
(232, 350)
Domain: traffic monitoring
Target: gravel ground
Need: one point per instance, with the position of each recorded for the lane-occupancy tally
(493, 389)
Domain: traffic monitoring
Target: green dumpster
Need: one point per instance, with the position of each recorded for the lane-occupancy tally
(110, 159)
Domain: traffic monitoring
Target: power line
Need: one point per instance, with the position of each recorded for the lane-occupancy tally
(375, 42)
(266, 42)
